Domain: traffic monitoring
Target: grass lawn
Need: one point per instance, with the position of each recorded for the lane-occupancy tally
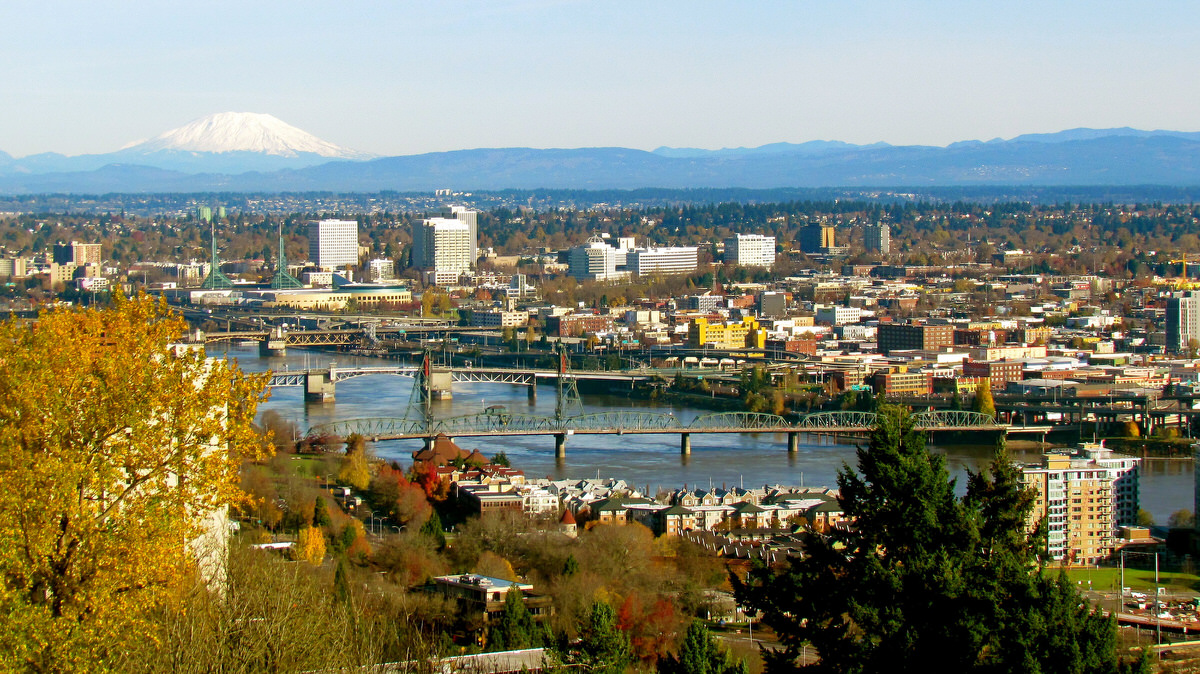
(1106, 580)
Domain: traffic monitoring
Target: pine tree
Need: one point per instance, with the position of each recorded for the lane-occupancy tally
(603, 648)
(925, 580)
(515, 629)
(432, 528)
(699, 654)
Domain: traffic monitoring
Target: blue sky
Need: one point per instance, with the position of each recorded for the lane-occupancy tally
(408, 77)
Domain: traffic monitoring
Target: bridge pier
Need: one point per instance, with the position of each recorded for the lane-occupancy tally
(685, 443)
(440, 382)
(274, 344)
(531, 392)
(560, 445)
(319, 387)
(793, 443)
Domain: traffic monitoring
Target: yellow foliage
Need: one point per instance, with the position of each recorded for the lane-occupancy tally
(355, 472)
(117, 451)
(493, 565)
(310, 546)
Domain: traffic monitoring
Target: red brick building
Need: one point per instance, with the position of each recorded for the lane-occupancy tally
(906, 336)
(999, 372)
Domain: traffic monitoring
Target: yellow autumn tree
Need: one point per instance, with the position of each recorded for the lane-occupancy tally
(119, 452)
(310, 546)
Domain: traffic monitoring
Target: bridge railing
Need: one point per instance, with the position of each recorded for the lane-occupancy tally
(502, 421)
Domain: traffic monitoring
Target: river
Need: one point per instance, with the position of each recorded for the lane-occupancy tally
(645, 460)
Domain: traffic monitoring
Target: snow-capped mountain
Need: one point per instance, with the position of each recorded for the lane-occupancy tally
(243, 132)
(227, 143)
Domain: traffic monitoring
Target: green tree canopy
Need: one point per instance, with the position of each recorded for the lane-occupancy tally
(602, 648)
(925, 580)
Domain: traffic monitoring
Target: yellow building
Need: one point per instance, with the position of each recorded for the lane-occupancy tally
(1084, 498)
(744, 335)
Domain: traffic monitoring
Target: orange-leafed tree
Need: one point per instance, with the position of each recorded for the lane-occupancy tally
(119, 453)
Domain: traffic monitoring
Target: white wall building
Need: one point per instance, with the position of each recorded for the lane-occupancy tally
(839, 315)
(471, 218)
(663, 260)
(752, 250)
(333, 243)
(597, 261)
(443, 245)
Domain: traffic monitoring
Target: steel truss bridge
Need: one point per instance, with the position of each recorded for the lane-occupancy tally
(504, 423)
(285, 378)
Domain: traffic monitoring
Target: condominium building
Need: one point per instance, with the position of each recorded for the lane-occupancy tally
(1085, 498)
(77, 253)
(877, 238)
(443, 245)
(664, 260)
(1183, 320)
(333, 243)
(752, 250)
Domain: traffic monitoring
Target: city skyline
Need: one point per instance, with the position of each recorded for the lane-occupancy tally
(413, 79)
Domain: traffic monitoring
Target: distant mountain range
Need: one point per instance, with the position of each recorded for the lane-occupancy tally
(242, 152)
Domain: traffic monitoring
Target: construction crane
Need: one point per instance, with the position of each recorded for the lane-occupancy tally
(1184, 260)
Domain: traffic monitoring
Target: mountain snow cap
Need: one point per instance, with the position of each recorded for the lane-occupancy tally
(244, 132)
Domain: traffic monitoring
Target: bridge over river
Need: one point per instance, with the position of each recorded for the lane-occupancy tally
(500, 422)
(569, 417)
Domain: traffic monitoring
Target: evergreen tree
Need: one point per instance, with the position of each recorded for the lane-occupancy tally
(432, 528)
(925, 580)
(603, 648)
(699, 654)
(321, 514)
(341, 584)
(571, 566)
(515, 628)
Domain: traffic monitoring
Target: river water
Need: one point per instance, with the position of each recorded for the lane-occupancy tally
(644, 460)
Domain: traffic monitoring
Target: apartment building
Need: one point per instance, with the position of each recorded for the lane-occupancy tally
(1084, 497)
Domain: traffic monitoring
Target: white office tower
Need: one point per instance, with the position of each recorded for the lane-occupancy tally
(471, 217)
(333, 243)
(1183, 321)
(665, 260)
(878, 237)
(750, 250)
(596, 261)
(442, 249)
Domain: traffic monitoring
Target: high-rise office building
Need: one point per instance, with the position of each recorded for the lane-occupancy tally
(333, 243)
(818, 238)
(597, 261)
(1183, 320)
(1084, 499)
(443, 247)
(471, 217)
(752, 250)
(878, 238)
